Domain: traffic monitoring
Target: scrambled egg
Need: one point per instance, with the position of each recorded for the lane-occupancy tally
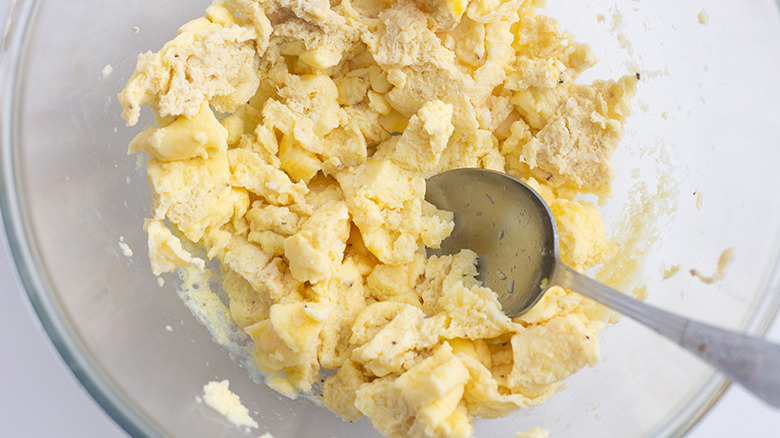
(219, 397)
(292, 143)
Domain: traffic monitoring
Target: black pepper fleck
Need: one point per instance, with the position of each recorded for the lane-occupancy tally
(637, 76)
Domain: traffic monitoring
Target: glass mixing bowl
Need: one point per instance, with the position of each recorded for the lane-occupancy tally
(703, 138)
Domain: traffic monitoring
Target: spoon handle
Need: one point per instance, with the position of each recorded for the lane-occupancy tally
(749, 361)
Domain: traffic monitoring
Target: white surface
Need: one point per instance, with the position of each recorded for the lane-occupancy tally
(41, 398)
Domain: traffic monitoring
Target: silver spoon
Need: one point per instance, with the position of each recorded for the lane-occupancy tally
(513, 231)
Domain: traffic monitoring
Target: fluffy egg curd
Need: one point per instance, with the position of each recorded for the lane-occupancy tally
(292, 143)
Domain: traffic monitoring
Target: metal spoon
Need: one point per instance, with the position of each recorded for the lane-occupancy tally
(513, 231)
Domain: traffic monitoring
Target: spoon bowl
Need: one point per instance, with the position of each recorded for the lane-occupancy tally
(512, 230)
(507, 224)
